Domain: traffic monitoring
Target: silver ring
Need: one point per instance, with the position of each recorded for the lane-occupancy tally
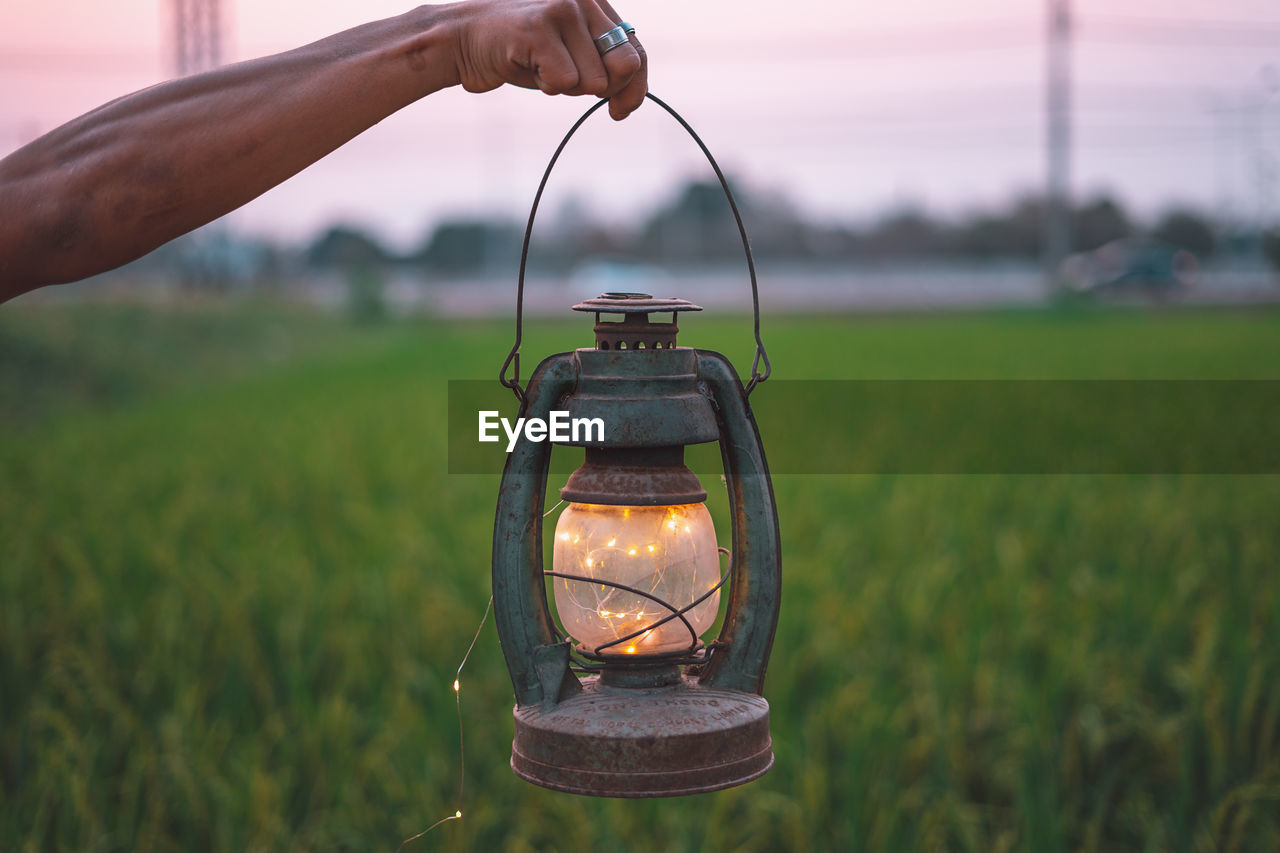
(627, 28)
(616, 37)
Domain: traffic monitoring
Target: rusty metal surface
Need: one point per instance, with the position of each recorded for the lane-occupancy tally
(646, 398)
(635, 332)
(634, 303)
(755, 592)
(519, 594)
(634, 742)
(654, 476)
(706, 732)
(659, 407)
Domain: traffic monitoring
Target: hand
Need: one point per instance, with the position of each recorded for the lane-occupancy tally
(548, 45)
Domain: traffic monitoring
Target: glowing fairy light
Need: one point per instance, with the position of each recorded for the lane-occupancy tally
(462, 752)
(596, 614)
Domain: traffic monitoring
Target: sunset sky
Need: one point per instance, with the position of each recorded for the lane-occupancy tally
(848, 108)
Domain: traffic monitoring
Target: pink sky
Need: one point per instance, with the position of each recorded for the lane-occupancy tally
(848, 108)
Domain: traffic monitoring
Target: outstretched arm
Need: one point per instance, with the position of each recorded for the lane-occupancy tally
(117, 182)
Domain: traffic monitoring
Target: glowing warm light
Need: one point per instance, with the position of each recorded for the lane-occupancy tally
(456, 686)
(457, 813)
(678, 567)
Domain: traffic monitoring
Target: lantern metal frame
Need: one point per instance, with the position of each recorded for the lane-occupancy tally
(684, 722)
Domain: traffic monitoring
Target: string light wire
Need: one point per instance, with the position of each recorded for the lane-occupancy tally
(462, 749)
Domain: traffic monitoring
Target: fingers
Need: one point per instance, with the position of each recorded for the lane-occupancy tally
(593, 72)
(626, 99)
(555, 70)
(570, 63)
(622, 62)
(548, 44)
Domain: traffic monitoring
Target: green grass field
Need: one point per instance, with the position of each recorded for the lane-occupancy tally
(236, 579)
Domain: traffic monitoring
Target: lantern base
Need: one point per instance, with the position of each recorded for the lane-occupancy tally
(644, 742)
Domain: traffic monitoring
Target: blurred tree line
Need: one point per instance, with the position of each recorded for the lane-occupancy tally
(696, 227)
(693, 228)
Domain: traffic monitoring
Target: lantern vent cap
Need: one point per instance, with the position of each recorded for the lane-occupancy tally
(635, 303)
(635, 331)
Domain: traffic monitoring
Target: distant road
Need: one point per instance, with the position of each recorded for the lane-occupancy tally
(798, 291)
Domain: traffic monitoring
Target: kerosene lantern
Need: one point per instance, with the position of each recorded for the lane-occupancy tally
(629, 700)
(636, 572)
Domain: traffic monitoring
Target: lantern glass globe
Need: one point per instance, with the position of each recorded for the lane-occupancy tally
(667, 552)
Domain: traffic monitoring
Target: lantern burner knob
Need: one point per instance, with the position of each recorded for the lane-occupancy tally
(635, 331)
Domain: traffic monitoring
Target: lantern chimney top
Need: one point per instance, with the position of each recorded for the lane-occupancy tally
(635, 331)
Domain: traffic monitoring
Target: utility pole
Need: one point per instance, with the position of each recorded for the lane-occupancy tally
(197, 35)
(1057, 220)
(203, 258)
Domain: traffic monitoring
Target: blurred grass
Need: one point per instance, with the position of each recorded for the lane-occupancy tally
(235, 582)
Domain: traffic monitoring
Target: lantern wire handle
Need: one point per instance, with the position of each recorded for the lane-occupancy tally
(761, 357)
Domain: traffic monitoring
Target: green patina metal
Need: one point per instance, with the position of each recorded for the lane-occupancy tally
(599, 735)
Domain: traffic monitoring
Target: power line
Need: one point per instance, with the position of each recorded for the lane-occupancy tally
(92, 62)
(1177, 39)
(198, 38)
(1196, 24)
(995, 138)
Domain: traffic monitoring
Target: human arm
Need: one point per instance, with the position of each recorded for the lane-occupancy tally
(121, 180)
